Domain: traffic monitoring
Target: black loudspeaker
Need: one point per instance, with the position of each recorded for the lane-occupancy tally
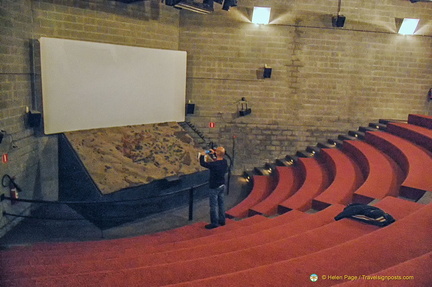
(190, 109)
(338, 21)
(246, 112)
(34, 118)
(267, 73)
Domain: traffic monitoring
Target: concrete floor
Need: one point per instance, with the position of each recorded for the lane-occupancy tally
(30, 231)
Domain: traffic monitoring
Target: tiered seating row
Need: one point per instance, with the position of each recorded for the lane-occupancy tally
(385, 163)
(289, 180)
(367, 254)
(347, 177)
(420, 120)
(280, 251)
(316, 180)
(262, 187)
(153, 269)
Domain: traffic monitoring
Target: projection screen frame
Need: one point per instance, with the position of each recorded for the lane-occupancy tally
(88, 85)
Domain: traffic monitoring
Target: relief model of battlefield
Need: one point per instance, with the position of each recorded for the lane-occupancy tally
(123, 157)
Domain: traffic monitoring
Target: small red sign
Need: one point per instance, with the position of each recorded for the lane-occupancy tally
(212, 125)
(5, 158)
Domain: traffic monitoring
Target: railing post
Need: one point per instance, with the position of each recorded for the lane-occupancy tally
(191, 202)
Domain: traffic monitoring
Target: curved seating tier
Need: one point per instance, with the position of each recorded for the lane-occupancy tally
(288, 183)
(316, 180)
(128, 245)
(346, 177)
(413, 272)
(420, 120)
(366, 254)
(139, 268)
(382, 175)
(417, 134)
(410, 157)
(278, 251)
(262, 187)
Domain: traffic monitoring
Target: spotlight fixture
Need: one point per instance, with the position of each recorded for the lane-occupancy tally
(206, 7)
(248, 176)
(203, 7)
(261, 15)
(408, 26)
(228, 3)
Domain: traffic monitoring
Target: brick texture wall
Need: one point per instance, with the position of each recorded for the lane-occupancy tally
(325, 81)
(34, 159)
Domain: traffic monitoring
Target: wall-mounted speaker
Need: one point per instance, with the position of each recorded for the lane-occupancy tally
(190, 109)
(338, 21)
(267, 73)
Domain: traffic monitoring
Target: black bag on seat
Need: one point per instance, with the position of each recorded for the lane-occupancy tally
(366, 213)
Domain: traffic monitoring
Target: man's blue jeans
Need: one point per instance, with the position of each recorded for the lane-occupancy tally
(217, 206)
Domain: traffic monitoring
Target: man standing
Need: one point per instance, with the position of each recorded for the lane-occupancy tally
(218, 168)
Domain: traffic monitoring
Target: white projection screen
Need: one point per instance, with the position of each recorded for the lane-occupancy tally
(88, 85)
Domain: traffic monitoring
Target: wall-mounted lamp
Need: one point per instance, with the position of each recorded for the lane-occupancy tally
(408, 26)
(261, 15)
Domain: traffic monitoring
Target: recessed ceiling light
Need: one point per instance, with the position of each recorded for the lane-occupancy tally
(261, 15)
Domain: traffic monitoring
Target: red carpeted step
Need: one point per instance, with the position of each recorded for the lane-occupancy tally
(414, 272)
(262, 187)
(415, 161)
(416, 134)
(403, 240)
(87, 249)
(291, 247)
(346, 175)
(33, 258)
(187, 232)
(272, 229)
(316, 180)
(420, 120)
(382, 175)
(288, 183)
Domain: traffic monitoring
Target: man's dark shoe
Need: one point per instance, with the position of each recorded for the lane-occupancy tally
(210, 226)
(221, 223)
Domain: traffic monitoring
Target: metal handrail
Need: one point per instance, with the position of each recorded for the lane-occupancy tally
(191, 190)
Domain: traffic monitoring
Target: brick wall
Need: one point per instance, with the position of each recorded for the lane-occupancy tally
(34, 160)
(325, 81)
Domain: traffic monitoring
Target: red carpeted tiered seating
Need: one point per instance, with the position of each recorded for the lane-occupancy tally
(403, 240)
(346, 176)
(382, 175)
(413, 272)
(420, 120)
(316, 180)
(288, 183)
(280, 251)
(413, 160)
(416, 134)
(153, 270)
(108, 247)
(262, 187)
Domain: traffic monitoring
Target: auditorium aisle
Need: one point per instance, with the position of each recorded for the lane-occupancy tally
(31, 231)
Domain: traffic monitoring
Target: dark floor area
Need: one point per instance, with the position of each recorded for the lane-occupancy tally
(30, 231)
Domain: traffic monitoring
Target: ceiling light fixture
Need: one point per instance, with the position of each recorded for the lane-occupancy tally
(408, 26)
(261, 15)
